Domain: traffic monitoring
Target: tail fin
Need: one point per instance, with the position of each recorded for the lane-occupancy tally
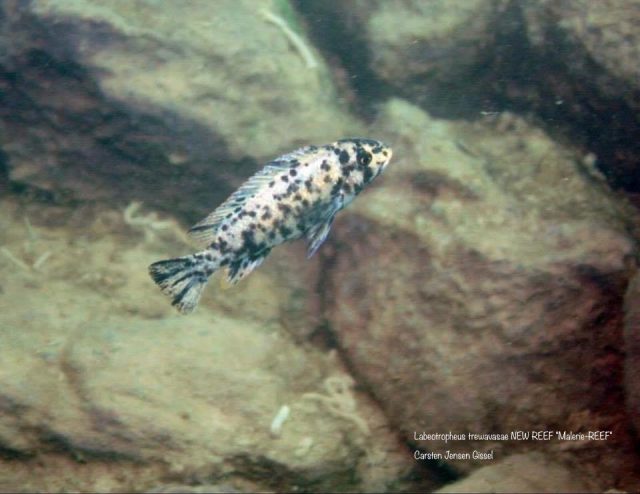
(182, 279)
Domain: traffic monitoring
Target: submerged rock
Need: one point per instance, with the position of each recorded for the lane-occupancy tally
(632, 350)
(99, 375)
(478, 289)
(436, 53)
(584, 58)
(530, 472)
(573, 64)
(102, 99)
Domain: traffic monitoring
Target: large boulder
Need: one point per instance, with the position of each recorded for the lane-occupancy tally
(104, 387)
(584, 59)
(102, 99)
(531, 472)
(478, 288)
(573, 64)
(438, 53)
(601, 35)
(632, 350)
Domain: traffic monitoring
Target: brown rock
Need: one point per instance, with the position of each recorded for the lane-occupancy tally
(530, 472)
(478, 288)
(632, 350)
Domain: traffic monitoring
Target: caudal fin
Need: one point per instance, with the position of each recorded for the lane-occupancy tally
(182, 279)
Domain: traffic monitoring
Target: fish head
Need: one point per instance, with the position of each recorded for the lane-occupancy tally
(370, 157)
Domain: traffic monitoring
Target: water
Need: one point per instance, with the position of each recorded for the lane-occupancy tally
(469, 324)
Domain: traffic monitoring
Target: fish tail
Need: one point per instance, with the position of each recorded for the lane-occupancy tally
(184, 278)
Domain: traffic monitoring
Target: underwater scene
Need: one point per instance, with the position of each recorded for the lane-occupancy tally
(319, 246)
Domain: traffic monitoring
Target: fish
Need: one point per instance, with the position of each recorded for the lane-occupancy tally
(293, 196)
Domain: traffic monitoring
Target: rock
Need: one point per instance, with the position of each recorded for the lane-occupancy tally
(601, 34)
(632, 350)
(572, 64)
(428, 52)
(583, 57)
(478, 288)
(104, 387)
(100, 100)
(424, 47)
(530, 472)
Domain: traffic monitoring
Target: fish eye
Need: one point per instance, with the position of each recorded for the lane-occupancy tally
(363, 157)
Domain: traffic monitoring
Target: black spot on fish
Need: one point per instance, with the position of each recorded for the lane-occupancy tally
(327, 179)
(325, 166)
(224, 228)
(272, 183)
(309, 185)
(266, 215)
(250, 246)
(295, 163)
(305, 203)
(284, 231)
(297, 197)
(237, 210)
(292, 172)
(284, 208)
(344, 157)
(348, 169)
(284, 178)
(346, 189)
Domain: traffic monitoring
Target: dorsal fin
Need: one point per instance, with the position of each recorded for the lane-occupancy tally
(204, 231)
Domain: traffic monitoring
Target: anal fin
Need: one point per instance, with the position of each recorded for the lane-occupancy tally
(244, 266)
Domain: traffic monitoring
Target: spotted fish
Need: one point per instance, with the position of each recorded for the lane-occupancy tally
(296, 195)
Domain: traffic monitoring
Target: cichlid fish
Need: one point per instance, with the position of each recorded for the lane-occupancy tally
(296, 195)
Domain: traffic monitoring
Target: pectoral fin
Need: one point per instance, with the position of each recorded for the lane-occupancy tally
(317, 235)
